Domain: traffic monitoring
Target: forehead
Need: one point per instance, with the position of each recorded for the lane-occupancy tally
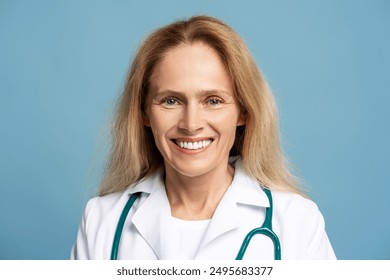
(187, 67)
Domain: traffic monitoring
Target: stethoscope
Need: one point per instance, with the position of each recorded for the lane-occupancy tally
(265, 229)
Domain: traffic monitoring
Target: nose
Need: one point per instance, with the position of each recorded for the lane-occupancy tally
(191, 119)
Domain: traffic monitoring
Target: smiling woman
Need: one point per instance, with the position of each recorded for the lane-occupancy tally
(196, 164)
(201, 108)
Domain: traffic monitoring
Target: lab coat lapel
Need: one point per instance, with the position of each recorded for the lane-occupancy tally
(225, 218)
(152, 217)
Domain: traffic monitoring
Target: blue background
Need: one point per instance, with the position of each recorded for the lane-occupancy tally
(63, 63)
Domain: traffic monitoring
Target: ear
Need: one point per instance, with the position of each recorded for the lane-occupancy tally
(241, 119)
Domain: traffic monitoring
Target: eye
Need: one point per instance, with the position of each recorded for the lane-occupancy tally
(170, 101)
(214, 101)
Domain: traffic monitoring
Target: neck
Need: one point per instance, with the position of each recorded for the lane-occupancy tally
(196, 198)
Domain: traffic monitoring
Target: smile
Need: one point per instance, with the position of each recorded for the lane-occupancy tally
(193, 145)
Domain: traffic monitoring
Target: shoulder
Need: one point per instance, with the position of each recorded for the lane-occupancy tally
(287, 201)
(104, 202)
(297, 213)
(296, 210)
(110, 204)
(100, 207)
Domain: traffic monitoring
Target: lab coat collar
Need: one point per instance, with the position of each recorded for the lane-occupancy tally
(152, 218)
(247, 190)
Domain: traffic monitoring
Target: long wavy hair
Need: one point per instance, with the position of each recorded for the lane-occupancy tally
(133, 153)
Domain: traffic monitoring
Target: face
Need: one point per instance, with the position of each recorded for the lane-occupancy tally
(192, 110)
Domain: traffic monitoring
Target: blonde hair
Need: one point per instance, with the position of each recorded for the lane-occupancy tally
(134, 154)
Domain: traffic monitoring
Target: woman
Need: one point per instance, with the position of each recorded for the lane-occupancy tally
(196, 138)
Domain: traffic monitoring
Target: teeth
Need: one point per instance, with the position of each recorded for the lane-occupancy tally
(193, 145)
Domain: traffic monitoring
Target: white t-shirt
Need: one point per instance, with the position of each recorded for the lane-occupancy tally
(187, 237)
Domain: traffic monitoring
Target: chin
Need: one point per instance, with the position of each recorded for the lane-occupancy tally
(192, 169)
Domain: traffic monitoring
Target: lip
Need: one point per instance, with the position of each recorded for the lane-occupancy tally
(192, 139)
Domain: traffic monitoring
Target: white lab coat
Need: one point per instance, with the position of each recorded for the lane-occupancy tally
(147, 231)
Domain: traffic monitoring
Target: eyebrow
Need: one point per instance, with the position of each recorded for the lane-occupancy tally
(200, 93)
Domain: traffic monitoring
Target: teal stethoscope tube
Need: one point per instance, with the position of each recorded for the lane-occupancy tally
(265, 229)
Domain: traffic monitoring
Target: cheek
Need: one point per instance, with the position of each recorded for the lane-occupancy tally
(226, 125)
(160, 122)
(154, 118)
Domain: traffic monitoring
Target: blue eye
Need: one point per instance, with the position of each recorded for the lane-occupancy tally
(214, 101)
(170, 101)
